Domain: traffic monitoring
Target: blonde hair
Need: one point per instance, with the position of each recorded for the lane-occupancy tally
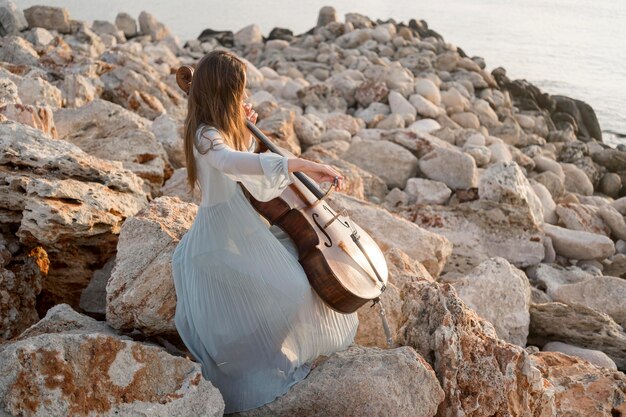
(215, 98)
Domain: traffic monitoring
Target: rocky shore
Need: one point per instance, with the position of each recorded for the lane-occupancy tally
(500, 211)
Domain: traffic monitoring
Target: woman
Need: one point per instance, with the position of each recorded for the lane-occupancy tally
(245, 308)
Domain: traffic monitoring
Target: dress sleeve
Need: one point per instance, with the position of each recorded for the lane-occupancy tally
(264, 175)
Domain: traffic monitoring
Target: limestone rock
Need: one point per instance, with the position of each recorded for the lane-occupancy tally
(580, 326)
(53, 18)
(436, 166)
(17, 51)
(505, 182)
(479, 228)
(427, 89)
(582, 389)
(62, 318)
(614, 220)
(395, 382)
(168, 132)
(126, 24)
(402, 270)
(605, 294)
(12, 20)
(107, 130)
(423, 191)
(93, 297)
(575, 244)
(480, 374)
(375, 156)
(248, 35)
(576, 180)
(400, 105)
(499, 293)
(149, 25)
(140, 292)
(53, 374)
(177, 186)
(581, 217)
(22, 273)
(66, 201)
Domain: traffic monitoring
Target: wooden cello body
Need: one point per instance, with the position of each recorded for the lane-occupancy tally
(343, 264)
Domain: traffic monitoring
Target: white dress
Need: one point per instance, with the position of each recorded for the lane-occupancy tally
(245, 308)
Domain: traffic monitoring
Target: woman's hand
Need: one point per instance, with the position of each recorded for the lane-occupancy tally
(317, 172)
(250, 113)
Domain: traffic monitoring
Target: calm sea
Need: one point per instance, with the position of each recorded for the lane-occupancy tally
(571, 47)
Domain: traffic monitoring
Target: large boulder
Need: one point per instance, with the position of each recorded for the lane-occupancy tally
(362, 382)
(480, 374)
(576, 244)
(506, 183)
(437, 164)
(68, 202)
(109, 131)
(580, 326)
(47, 17)
(499, 293)
(391, 162)
(53, 371)
(582, 389)
(12, 20)
(140, 292)
(482, 229)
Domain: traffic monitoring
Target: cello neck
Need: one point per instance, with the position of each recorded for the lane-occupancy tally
(269, 145)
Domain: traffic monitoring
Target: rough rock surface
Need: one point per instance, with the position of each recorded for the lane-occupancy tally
(479, 228)
(362, 382)
(140, 292)
(580, 326)
(402, 270)
(55, 374)
(480, 374)
(582, 389)
(67, 202)
(374, 156)
(499, 293)
(106, 130)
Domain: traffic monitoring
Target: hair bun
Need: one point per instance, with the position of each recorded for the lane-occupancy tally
(184, 76)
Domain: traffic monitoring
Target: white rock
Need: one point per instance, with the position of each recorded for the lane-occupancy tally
(436, 166)
(309, 129)
(427, 89)
(168, 132)
(614, 220)
(38, 92)
(12, 20)
(576, 180)
(254, 77)
(425, 191)
(400, 105)
(425, 125)
(248, 35)
(576, 244)
(604, 294)
(126, 24)
(500, 293)
(481, 154)
(425, 107)
(374, 156)
(506, 183)
(547, 203)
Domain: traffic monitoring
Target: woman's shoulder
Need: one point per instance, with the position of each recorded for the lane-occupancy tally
(207, 136)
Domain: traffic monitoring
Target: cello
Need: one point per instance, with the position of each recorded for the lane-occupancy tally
(343, 264)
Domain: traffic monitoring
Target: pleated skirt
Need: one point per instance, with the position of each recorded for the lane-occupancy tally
(245, 308)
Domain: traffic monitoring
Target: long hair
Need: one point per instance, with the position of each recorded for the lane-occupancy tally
(215, 98)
